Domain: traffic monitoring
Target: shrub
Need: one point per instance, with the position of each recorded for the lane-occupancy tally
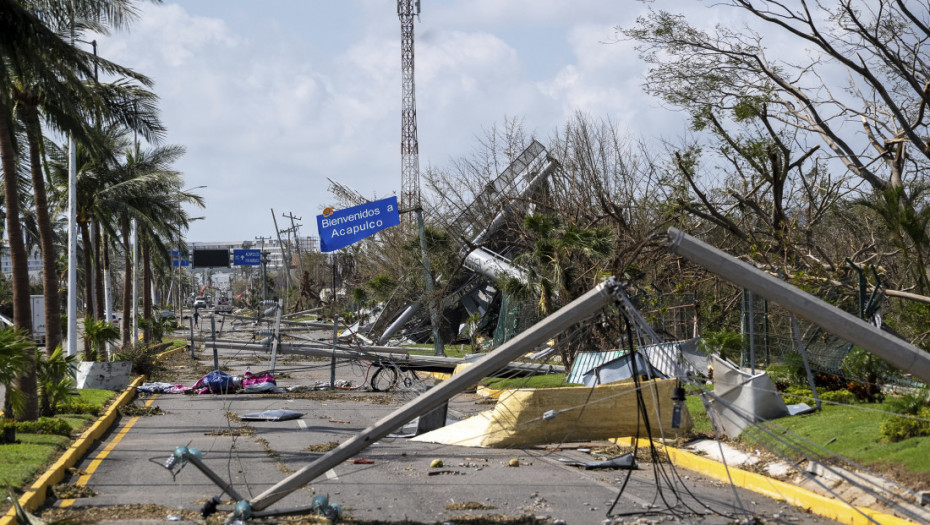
(844, 397)
(780, 375)
(800, 394)
(77, 407)
(44, 425)
(55, 378)
(868, 369)
(896, 428)
(142, 357)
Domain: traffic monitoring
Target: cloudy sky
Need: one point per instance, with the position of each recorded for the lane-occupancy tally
(271, 98)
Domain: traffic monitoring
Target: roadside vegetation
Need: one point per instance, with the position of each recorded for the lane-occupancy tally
(40, 442)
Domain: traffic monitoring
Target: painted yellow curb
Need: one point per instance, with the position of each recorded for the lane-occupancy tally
(35, 495)
(491, 393)
(168, 353)
(779, 490)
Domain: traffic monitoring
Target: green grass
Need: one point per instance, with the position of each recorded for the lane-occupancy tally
(702, 423)
(93, 396)
(851, 431)
(21, 462)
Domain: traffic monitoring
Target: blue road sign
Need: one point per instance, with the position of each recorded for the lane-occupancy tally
(341, 228)
(247, 257)
(174, 259)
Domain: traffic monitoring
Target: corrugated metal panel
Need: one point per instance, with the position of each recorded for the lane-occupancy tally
(586, 361)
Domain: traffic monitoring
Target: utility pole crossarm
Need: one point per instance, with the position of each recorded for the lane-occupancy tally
(901, 354)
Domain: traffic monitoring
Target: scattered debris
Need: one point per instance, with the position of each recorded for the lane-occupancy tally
(132, 410)
(436, 463)
(339, 421)
(363, 461)
(272, 415)
(469, 505)
(322, 447)
(515, 462)
(116, 513)
(438, 472)
(232, 432)
(72, 491)
(626, 461)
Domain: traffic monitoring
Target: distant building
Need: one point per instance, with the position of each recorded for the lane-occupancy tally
(34, 262)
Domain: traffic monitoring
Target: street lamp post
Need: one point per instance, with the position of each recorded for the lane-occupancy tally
(179, 300)
(72, 227)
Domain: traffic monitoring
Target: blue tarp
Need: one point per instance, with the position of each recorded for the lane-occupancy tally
(217, 382)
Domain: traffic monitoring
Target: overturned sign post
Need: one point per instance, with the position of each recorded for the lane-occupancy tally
(574, 312)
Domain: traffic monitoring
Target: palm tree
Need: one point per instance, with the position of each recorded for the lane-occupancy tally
(33, 54)
(96, 336)
(147, 190)
(562, 254)
(30, 118)
(15, 348)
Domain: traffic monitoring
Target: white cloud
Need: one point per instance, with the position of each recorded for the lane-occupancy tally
(270, 99)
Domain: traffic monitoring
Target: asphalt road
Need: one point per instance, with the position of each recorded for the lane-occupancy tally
(395, 483)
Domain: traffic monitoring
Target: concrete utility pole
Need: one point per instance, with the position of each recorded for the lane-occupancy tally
(286, 256)
(300, 262)
(264, 261)
(898, 352)
(578, 310)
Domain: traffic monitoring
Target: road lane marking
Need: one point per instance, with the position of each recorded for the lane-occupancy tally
(330, 474)
(95, 463)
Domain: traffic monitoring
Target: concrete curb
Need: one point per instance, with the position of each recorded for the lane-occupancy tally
(35, 495)
(779, 490)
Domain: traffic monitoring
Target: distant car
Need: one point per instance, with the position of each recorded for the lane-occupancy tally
(200, 302)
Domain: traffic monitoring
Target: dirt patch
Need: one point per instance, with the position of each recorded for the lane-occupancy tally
(917, 481)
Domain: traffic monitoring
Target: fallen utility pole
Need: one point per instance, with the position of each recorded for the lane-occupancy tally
(390, 356)
(574, 312)
(898, 352)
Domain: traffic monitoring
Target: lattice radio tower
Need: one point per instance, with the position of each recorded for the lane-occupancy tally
(409, 148)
